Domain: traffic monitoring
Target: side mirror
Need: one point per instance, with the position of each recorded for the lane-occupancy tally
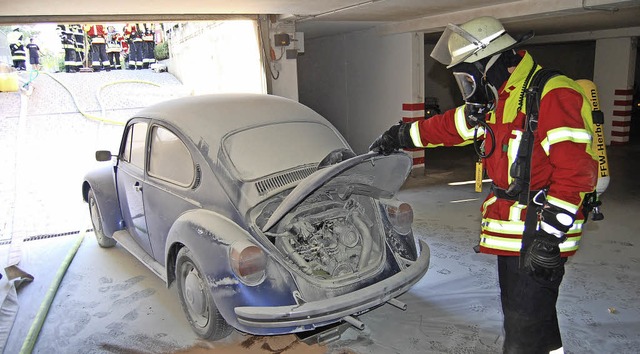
(103, 155)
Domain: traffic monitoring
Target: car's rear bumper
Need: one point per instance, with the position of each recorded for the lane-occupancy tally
(336, 308)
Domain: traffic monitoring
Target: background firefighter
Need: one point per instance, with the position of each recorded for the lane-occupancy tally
(69, 46)
(99, 59)
(79, 37)
(148, 45)
(114, 49)
(134, 38)
(493, 78)
(18, 53)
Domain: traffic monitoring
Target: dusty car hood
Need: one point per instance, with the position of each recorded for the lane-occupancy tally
(369, 174)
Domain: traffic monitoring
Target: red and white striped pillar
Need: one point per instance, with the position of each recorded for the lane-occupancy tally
(412, 112)
(621, 117)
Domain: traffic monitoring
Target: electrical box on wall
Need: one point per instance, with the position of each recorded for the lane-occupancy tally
(294, 43)
(282, 39)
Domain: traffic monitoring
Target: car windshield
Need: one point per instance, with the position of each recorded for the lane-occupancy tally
(263, 150)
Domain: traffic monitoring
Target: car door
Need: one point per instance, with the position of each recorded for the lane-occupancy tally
(130, 181)
(170, 184)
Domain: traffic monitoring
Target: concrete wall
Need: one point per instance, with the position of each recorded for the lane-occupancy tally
(439, 83)
(576, 60)
(360, 81)
(217, 57)
(615, 63)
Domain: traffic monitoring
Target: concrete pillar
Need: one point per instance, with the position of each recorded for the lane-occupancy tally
(414, 109)
(614, 70)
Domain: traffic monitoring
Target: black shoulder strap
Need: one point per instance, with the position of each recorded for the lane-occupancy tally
(521, 168)
(534, 95)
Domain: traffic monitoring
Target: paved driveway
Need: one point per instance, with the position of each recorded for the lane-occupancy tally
(47, 145)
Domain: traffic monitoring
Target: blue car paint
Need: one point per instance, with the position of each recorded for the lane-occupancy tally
(209, 236)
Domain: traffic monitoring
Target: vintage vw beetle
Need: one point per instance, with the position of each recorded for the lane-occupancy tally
(260, 212)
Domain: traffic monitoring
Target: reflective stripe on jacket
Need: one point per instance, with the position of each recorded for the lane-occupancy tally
(562, 157)
(113, 47)
(17, 51)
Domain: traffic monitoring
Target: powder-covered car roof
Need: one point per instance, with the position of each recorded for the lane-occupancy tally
(210, 117)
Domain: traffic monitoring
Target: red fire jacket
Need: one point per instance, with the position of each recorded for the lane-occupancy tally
(96, 33)
(562, 160)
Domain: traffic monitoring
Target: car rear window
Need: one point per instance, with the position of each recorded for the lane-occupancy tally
(261, 151)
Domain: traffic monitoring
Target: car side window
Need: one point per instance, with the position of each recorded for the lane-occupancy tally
(169, 158)
(126, 149)
(133, 151)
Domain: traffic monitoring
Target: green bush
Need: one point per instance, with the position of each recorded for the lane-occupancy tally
(161, 51)
(52, 62)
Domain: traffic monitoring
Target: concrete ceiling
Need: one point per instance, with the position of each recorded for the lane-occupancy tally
(328, 17)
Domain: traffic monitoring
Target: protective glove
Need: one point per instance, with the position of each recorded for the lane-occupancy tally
(541, 257)
(397, 137)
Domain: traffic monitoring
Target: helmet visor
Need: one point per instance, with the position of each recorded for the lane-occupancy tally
(456, 45)
(466, 83)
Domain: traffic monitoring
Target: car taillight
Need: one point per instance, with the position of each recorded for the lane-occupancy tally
(400, 216)
(248, 262)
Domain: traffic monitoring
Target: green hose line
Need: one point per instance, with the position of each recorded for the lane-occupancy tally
(31, 78)
(34, 331)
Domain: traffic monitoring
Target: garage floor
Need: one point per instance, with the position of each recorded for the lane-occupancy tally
(108, 302)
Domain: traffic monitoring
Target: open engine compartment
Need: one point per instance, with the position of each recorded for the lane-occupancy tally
(329, 235)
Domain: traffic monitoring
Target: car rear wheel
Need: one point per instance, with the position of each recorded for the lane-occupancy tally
(96, 220)
(197, 301)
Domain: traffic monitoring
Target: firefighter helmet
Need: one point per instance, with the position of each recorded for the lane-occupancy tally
(472, 41)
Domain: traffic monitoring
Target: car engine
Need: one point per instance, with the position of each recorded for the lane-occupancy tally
(327, 237)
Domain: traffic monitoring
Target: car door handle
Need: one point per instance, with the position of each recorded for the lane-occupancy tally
(137, 187)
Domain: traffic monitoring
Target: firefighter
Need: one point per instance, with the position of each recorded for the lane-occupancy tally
(126, 46)
(134, 35)
(18, 53)
(79, 37)
(99, 59)
(125, 50)
(69, 46)
(114, 49)
(531, 227)
(148, 45)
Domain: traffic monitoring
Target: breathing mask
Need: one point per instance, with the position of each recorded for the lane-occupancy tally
(479, 91)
